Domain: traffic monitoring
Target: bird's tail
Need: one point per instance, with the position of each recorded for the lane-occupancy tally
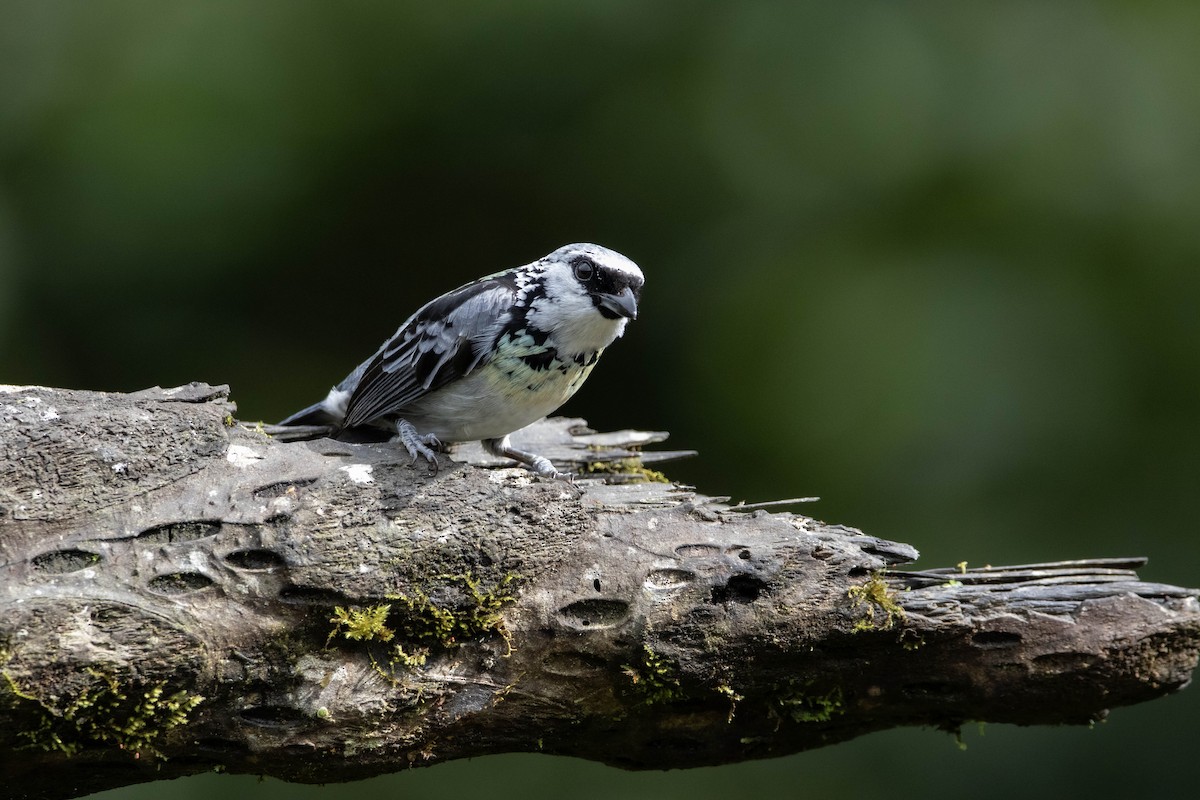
(319, 422)
(313, 422)
(316, 414)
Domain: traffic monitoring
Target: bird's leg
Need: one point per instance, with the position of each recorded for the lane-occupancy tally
(502, 448)
(417, 444)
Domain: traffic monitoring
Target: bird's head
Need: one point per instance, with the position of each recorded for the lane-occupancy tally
(588, 295)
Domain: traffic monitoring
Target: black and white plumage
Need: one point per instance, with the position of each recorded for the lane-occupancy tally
(489, 357)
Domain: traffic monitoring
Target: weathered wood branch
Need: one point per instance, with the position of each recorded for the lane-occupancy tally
(181, 593)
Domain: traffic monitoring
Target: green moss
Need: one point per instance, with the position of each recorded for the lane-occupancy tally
(409, 660)
(399, 659)
(733, 697)
(631, 467)
(879, 602)
(421, 624)
(802, 704)
(14, 694)
(424, 620)
(361, 624)
(104, 714)
(415, 617)
(418, 618)
(654, 679)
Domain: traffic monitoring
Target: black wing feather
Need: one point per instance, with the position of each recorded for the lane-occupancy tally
(445, 340)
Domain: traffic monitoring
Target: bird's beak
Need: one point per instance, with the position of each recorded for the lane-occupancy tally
(622, 304)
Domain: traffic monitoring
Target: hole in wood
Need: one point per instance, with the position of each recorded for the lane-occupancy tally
(281, 488)
(59, 562)
(594, 613)
(663, 579)
(697, 550)
(1054, 663)
(180, 582)
(739, 589)
(273, 716)
(255, 559)
(573, 663)
(992, 640)
(173, 532)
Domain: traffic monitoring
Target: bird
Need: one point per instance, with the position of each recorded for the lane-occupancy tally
(488, 358)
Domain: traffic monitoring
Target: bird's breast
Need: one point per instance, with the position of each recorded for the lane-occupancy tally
(509, 392)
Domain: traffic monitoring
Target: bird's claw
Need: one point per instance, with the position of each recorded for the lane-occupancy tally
(418, 445)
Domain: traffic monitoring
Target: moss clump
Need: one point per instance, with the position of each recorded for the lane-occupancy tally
(415, 617)
(654, 679)
(409, 660)
(418, 618)
(370, 625)
(878, 601)
(631, 469)
(103, 714)
(361, 624)
(422, 624)
(802, 704)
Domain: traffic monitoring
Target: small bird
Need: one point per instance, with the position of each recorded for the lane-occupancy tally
(489, 357)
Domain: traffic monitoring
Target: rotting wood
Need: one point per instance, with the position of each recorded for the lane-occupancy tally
(182, 593)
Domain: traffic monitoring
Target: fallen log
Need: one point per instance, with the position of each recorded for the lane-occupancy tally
(181, 592)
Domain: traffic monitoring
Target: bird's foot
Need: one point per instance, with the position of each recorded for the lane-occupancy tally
(542, 466)
(417, 444)
(502, 448)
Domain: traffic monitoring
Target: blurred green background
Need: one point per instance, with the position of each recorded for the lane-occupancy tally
(938, 264)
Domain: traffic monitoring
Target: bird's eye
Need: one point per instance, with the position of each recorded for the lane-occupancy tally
(584, 269)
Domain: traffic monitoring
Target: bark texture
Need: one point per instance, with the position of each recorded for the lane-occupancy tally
(181, 593)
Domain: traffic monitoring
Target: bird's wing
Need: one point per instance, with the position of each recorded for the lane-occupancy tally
(445, 340)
